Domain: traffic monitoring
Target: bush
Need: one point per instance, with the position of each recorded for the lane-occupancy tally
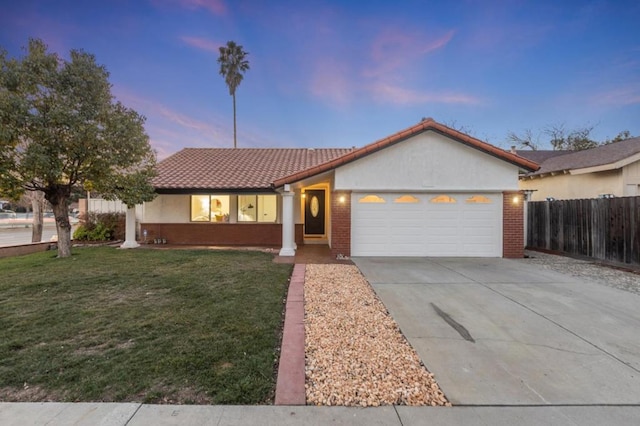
(101, 227)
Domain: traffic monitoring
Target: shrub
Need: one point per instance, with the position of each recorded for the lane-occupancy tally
(101, 227)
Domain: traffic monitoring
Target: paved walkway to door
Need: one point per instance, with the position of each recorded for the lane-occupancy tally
(501, 332)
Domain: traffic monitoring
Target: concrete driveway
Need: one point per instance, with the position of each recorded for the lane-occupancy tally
(501, 332)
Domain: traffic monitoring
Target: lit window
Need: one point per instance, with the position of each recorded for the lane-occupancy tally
(200, 211)
(443, 199)
(257, 208)
(219, 208)
(371, 199)
(406, 199)
(247, 208)
(478, 199)
(209, 208)
(267, 208)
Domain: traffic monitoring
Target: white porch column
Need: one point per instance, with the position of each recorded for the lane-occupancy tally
(288, 225)
(130, 230)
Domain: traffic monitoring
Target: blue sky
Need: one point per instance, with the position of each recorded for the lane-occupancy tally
(341, 74)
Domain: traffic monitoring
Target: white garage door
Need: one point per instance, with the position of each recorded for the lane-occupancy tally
(434, 224)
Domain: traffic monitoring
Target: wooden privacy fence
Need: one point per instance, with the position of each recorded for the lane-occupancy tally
(606, 229)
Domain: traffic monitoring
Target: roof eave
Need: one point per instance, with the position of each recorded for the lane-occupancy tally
(200, 191)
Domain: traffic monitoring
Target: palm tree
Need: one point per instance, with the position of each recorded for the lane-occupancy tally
(232, 65)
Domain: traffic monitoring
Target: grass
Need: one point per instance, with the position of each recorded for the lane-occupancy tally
(154, 326)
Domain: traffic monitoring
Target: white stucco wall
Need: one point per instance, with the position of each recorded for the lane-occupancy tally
(428, 161)
(568, 187)
(631, 178)
(168, 209)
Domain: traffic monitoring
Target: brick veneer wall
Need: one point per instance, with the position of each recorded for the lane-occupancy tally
(223, 234)
(512, 225)
(340, 224)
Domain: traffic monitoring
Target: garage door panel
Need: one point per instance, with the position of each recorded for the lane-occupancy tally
(427, 228)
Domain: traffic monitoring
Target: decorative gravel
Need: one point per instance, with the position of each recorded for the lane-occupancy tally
(355, 352)
(584, 269)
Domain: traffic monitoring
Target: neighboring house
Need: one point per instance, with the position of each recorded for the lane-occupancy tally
(606, 170)
(98, 204)
(428, 190)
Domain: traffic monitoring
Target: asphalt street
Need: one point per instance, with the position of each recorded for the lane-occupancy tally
(22, 235)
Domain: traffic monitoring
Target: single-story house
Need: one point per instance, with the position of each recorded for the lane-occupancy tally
(428, 190)
(603, 171)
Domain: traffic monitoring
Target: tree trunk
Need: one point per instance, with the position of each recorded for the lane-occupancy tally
(37, 203)
(235, 143)
(63, 227)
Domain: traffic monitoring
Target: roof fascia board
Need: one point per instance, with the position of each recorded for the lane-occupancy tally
(610, 166)
(214, 191)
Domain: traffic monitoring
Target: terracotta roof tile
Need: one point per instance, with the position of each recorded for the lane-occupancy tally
(257, 168)
(231, 169)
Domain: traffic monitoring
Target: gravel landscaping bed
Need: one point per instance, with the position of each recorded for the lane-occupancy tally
(586, 269)
(355, 353)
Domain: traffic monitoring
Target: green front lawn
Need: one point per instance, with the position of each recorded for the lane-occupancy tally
(155, 326)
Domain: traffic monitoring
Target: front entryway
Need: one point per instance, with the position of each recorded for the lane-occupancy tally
(314, 213)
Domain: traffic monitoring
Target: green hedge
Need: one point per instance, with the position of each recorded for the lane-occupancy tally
(101, 227)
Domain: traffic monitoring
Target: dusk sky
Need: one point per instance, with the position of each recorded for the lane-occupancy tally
(342, 74)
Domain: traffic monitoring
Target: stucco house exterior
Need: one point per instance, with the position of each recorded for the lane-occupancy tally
(428, 190)
(606, 170)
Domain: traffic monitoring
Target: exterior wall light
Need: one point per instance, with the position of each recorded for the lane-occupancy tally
(304, 195)
(341, 199)
(516, 199)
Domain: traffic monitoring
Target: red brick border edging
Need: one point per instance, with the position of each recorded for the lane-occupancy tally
(291, 377)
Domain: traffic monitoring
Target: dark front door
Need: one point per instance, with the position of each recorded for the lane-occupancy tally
(314, 212)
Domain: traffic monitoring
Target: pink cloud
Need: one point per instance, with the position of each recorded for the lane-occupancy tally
(628, 95)
(170, 130)
(385, 75)
(383, 92)
(330, 81)
(201, 43)
(216, 7)
(394, 49)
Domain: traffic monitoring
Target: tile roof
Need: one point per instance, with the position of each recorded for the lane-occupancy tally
(236, 169)
(427, 124)
(266, 168)
(598, 156)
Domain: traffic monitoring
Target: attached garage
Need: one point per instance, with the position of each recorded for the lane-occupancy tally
(428, 190)
(466, 224)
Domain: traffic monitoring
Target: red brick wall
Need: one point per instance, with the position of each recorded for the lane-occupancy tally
(512, 225)
(299, 236)
(226, 234)
(340, 224)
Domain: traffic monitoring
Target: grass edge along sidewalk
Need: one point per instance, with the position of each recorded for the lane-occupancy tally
(153, 326)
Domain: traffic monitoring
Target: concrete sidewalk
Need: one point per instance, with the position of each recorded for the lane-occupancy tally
(131, 414)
